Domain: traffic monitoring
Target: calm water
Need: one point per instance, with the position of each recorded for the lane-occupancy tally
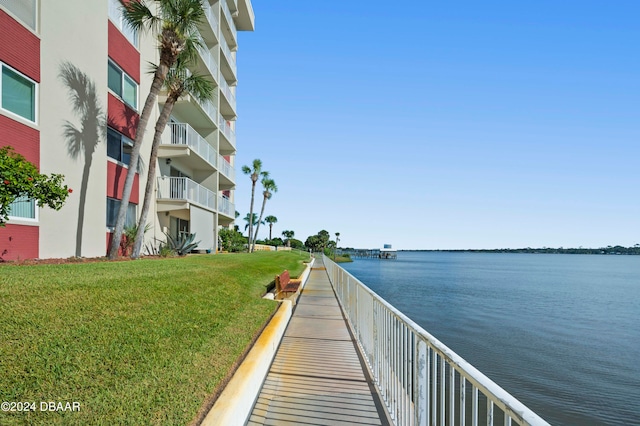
(559, 332)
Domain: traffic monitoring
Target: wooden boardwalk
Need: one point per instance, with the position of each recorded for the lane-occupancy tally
(317, 377)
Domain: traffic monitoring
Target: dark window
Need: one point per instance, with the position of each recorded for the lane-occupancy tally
(118, 146)
(113, 206)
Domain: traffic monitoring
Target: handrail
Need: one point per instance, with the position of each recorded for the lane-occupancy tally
(211, 17)
(232, 25)
(227, 54)
(226, 168)
(228, 93)
(184, 134)
(183, 188)
(417, 375)
(227, 131)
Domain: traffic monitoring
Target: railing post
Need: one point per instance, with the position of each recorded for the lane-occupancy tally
(422, 388)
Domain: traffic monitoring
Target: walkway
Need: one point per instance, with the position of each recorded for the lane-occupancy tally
(317, 377)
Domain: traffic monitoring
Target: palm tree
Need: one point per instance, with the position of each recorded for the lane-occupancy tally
(271, 220)
(176, 25)
(288, 235)
(270, 187)
(253, 222)
(254, 173)
(178, 82)
(336, 249)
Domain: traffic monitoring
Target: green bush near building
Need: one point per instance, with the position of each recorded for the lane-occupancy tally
(144, 342)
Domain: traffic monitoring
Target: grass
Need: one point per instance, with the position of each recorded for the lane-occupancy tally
(144, 342)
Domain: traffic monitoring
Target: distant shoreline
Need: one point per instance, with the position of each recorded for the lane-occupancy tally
(610, 250)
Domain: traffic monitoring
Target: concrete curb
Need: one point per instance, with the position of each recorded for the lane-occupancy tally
(235, 403)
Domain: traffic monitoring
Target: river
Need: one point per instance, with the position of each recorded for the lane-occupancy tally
(559, 332)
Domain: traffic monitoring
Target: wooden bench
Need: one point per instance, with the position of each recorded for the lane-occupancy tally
(285, 286)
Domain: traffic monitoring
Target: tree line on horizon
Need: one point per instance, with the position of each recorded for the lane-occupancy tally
(613, 250)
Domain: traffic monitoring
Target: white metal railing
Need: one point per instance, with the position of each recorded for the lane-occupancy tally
(211, 17)
(25, 10)
(422, 381)
(227, 53)
(228, 93)
(115, 14)
(227, 130)
(232, 25)
(209, 108)
(182, 188)
(226, 168)
(183, 134)
(225, 206)
(209, 60)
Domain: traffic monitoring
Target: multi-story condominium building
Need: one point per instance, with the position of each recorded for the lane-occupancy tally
(74, 78)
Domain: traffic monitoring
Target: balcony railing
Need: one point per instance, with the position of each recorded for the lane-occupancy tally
(228, 93)
(226, 130)
(115, 14)
(226, 207)
(227, 53)
(211, 17)
(420, 379)
(209, 108)
(183, 134)
(226, 168)
(209, 60)
(227, 15)
(184, 189)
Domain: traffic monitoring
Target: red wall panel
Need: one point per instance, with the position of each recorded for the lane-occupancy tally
(24, 139)
(19, 242)
(121, 117)
(19, 47)
(123, 53)
(116, 175)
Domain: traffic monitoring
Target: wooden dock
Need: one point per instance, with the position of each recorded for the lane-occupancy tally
(317, 376)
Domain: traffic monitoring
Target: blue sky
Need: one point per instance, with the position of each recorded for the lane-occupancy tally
(443, 125)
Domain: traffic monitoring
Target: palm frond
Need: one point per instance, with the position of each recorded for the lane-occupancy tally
(139, 17)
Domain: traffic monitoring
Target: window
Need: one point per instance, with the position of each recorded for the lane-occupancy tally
(122, 85)
(118, 146)
(18, 93)
(23, 208)
(113, 206)
(115, 14)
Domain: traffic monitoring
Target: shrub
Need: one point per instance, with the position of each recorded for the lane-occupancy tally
(183, 244)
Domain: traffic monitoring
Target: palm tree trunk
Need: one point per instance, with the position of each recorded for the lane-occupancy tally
(264, 202)
(270, 230)
(253, 193)
(161, 124)
(158, 81)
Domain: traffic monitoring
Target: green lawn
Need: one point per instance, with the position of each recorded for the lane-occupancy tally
(142, 342)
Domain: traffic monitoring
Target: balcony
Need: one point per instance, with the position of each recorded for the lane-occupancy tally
(231, 26)
(234, 6)
(245, 21)
(209, 61)
(228, 106)
(183, 141)
(177, 193)
(229, 69)
(227, 173)
(228, 142)
(201, 114)
(209, 29)
(226, 207)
